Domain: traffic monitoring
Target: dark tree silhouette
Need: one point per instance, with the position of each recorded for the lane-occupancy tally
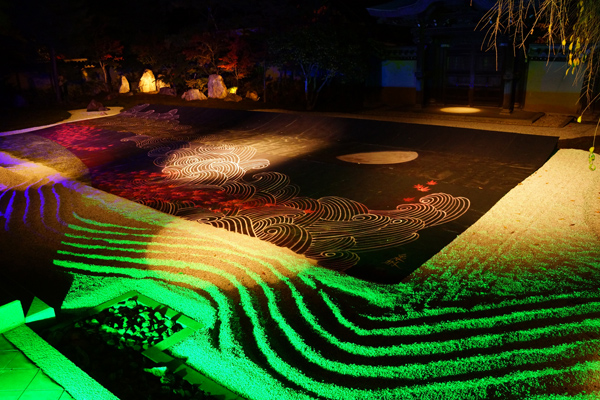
(327, 42)
(48, 29)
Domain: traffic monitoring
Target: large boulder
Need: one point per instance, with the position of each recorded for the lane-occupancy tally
(193, 94)
(216, 87)
(147, 82)
(124, 85)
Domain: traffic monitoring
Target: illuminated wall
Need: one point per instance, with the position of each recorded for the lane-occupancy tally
(398, 82)
(549, 89)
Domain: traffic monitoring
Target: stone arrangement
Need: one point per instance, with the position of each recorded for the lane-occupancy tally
(216, 88)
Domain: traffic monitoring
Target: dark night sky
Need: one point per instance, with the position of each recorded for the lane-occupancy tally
(60, 20)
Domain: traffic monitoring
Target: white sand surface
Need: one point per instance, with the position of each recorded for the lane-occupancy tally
(76, 115)
(541, 237)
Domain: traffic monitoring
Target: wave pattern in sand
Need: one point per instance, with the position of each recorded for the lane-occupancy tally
(332, 230)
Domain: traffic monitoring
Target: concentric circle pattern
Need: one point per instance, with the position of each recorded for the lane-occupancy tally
(257, 201)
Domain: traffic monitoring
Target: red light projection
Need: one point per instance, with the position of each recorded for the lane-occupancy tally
(78, 137)
(422, 188)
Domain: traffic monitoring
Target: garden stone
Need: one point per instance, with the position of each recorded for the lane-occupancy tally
(124, 85)
(193, 94)
(168, 91)
(252, 95)
(216, 87)
(233, 97)
(147, 82)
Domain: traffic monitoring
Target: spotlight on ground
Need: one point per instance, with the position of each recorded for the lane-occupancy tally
(460, 110)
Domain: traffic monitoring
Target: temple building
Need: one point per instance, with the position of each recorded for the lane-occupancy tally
(435, 52)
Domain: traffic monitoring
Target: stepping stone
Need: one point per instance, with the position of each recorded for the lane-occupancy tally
(11, 316)
(39, 311)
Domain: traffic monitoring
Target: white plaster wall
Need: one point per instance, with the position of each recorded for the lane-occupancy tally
(549, 89)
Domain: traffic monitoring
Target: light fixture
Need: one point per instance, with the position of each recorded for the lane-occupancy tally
(460, 110)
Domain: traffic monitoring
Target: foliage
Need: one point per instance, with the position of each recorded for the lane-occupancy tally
(42, 31)
(320, 51)
(238, 60)
(572, 26)
(165, 57)
(220, 52)
(107, 53)
(205, 51)
(199, 83)
(191, 38)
